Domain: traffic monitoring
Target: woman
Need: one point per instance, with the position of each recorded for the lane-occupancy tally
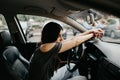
(44, 61)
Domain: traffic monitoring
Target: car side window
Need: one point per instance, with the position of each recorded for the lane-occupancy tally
(3, 25)
(32, 26)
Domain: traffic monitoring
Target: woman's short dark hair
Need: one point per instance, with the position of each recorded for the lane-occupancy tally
(50, 32)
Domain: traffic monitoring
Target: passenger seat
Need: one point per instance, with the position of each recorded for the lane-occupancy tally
(16, 64)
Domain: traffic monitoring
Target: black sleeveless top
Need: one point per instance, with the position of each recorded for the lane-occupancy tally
(42, 64)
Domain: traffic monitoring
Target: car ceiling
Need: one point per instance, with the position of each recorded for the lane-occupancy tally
(55, 7)
(59, 7)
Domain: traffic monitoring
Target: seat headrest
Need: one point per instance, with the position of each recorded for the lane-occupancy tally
(10, 54)
(5, 38)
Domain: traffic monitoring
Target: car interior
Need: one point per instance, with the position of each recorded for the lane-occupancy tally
(96, 59)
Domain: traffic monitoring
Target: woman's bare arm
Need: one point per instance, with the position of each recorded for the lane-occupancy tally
(76, 40)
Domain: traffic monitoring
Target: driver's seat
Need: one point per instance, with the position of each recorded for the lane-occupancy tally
(16, 65)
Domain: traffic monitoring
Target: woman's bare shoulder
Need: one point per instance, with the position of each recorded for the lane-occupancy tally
(47, 47)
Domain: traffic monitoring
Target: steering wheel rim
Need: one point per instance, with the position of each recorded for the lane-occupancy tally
(76, 52)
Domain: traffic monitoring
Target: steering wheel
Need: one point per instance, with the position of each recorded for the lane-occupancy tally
(76, 55)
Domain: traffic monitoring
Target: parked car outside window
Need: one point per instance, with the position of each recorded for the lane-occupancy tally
(112, 30)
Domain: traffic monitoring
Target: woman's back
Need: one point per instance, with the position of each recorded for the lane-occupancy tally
(42, 63)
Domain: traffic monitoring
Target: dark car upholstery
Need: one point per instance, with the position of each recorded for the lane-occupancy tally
(17, 66)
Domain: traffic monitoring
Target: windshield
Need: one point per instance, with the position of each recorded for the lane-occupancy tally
(91, 18)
